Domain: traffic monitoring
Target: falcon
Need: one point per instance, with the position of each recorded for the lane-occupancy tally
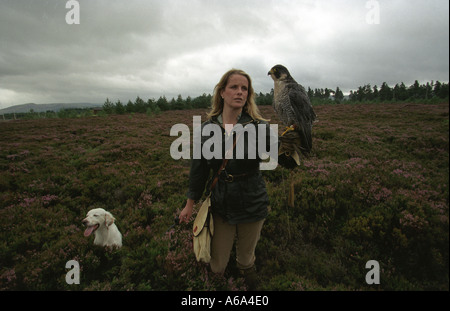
(293, 107)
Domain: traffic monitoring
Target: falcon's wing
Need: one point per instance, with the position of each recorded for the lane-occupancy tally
(304, 114)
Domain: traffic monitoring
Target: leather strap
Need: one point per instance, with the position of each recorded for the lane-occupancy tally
(224, 164)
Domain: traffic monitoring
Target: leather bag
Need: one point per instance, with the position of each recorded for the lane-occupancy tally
(203, 231)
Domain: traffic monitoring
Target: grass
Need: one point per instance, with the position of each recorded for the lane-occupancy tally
(375, 187)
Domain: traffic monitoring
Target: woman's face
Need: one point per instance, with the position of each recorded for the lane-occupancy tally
(236, 91)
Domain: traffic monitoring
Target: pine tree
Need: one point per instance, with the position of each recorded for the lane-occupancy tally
(119, 108)
(178, 104)
(385, 93)
(375, 94)
(338, 95)
(139, 105)
(310, 93)
(108, 106)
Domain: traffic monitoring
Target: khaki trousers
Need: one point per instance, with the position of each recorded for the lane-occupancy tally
(247, 236)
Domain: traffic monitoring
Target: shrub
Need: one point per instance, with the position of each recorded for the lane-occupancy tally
(374, 187)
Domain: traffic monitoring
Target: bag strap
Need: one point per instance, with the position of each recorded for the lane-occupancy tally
(224, 163)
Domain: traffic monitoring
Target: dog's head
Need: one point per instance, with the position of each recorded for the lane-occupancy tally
(97, 218)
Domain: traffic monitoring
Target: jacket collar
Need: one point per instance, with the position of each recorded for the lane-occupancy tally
(220, 120)
(244, 118)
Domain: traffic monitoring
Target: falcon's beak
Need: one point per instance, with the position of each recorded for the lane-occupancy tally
(270, 72)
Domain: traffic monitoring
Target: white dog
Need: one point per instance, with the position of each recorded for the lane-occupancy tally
(101, 223)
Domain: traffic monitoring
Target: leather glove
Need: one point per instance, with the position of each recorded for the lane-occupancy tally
(289, 150)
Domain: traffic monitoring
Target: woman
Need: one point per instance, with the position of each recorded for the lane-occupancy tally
(239, 199)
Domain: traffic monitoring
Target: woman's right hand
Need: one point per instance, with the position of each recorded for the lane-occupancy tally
(186, 213)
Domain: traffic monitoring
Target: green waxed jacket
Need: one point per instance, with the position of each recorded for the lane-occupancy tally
(244, 199)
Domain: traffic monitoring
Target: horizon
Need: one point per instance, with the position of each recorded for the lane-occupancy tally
(346, 95)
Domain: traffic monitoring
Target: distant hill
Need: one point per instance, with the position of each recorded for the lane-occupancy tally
(46, 107)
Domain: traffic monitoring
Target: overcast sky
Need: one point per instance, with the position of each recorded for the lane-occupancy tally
(129, 48)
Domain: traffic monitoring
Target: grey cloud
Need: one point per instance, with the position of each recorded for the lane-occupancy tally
(124, 49)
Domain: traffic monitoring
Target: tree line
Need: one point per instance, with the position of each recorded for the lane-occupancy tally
(365, 93)
(155, 106)
(400, 92)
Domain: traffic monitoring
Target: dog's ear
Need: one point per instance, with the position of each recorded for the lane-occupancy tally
(109, 219)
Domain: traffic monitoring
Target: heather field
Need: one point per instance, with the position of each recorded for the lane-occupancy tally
(375, 187)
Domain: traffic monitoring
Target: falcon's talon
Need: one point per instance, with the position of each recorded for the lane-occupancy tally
(288, 129)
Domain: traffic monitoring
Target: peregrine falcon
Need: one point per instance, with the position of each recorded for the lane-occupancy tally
(293, 107)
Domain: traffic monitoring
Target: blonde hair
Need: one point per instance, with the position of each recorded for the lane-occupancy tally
(217, 102)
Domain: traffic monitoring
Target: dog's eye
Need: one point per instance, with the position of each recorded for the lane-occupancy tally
(95, 215)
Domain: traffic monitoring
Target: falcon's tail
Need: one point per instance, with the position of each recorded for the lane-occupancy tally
(305, 139)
